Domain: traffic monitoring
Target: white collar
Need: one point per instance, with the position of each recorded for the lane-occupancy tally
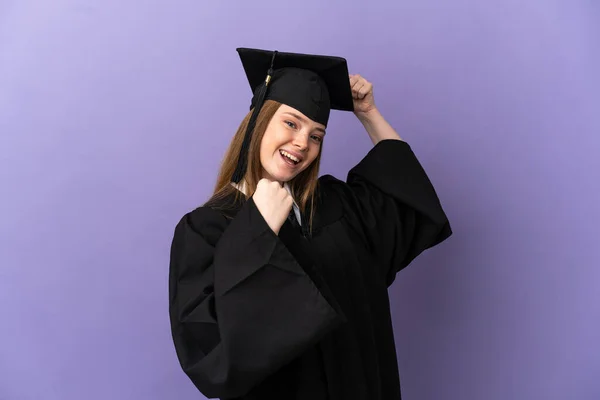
(242, 188)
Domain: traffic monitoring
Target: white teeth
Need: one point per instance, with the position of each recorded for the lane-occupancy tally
(288, 155)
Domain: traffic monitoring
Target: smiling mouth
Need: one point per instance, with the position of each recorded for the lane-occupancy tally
(288, 158)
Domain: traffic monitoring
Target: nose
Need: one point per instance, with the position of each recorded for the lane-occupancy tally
(300, 141)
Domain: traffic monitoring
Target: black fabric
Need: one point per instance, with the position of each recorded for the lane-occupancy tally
(312, 84)
(256, 315)
(294, 221)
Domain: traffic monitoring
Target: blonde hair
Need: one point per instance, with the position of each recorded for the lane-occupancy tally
(303, 186)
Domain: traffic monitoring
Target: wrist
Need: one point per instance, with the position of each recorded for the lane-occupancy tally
(367, 116)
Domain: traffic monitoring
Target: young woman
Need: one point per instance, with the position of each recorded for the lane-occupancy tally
(278, 284)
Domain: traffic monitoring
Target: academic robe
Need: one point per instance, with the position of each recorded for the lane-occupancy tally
(255, 315)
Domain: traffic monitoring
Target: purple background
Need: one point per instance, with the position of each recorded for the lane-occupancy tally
(114, 116)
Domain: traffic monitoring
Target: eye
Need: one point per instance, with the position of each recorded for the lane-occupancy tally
(317, 138)
(290, 124)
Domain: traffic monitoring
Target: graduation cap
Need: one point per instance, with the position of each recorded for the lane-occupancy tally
(312, 84)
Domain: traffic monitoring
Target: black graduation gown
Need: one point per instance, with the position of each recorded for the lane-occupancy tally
(256, 315)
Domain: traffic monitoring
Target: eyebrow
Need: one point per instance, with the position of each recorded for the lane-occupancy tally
(302, 119)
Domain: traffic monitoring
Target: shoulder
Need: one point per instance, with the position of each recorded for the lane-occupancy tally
(204, 217)
(216, 213)
(332, 189)
(204, 221)
(329, 182)
(328, 199)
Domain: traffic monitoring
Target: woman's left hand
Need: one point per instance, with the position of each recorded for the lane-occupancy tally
(362, 94)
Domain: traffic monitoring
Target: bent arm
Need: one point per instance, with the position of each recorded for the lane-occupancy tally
(241, 306)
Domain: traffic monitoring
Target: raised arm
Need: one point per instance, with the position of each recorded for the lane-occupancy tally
(367, 113)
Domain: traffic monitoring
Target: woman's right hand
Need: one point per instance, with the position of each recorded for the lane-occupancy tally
(274, 203)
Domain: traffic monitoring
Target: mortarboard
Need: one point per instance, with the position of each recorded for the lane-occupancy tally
(312, 84)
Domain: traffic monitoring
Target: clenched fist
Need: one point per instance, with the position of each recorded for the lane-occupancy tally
(274, 203)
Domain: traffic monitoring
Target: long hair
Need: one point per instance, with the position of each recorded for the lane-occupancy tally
(303, 186)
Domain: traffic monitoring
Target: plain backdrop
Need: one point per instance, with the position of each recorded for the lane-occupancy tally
(114, 116)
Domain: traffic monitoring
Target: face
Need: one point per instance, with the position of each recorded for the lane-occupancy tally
(290, 144)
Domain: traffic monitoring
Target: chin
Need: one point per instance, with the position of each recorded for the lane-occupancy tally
(283, 177)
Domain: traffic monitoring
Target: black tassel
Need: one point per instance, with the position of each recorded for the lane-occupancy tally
(242, 164)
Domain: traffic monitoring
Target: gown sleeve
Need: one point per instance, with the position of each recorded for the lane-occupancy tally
(240, 305)
(389, 200)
